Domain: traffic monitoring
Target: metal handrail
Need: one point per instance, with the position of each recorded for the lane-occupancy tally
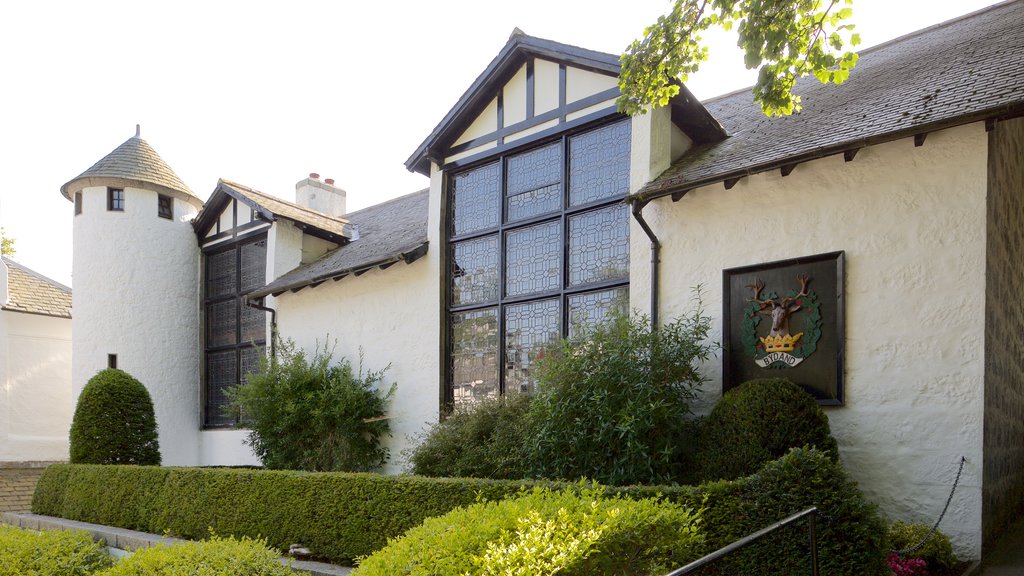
(748, 540)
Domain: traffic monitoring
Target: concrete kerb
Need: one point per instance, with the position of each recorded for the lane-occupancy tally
(121, 539)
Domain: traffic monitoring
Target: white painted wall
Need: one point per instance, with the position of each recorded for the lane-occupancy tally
(225, 448)
(393, 316)
(35, 387)
(912, 223)
(136, 280)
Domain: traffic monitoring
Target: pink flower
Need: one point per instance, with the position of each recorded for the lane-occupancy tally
(906, 566)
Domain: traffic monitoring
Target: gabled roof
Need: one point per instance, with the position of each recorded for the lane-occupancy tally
(389, 232)
(134, 161)
(271, 208)
(32, 293)
(687, 110)
(957, 72)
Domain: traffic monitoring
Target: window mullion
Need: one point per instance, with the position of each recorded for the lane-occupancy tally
(501, 277)
(563, 326)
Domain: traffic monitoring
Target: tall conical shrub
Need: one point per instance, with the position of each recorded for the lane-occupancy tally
(114, 422)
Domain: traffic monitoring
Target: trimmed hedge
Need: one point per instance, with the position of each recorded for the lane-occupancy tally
(344, 516)
(214, 557)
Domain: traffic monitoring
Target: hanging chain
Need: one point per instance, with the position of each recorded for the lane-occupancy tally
(935, 528)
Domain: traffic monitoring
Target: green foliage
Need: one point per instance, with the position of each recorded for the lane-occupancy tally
(577, 531)
(342, 516)
(6, 244)
(214, 557)
(614, 406)
(114, 422)
(307, 414)
(787, 39)
(485, 439)
(759, 421)
(52, 553)
(937, 552)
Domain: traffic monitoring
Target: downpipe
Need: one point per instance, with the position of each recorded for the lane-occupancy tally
(638, 214)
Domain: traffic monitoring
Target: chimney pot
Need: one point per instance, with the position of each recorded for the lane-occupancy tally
(329, 181)
(314, 175)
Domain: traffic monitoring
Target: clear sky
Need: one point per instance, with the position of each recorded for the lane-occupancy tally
(265, 92)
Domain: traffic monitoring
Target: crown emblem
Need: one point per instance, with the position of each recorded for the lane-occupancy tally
(780, 343)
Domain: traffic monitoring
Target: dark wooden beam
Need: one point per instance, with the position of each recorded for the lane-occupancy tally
(919, 138)
(315, 284)
(990, 124)
(360, 272)
(849, 155)
(730, 182)
(386, 265)
(677, 196)
(336, 278)
(787, 169)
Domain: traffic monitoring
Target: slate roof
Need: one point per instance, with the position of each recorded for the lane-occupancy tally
(33, 293)
(389, 232)
(134, 160)
(961, 71)
(315, 223)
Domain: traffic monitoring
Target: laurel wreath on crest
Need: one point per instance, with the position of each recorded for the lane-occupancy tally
(810, 309)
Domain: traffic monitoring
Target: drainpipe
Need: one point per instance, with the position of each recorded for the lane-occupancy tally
(258, 305)
(638, 209)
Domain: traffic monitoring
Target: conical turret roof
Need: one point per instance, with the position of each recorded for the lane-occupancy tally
(134, 162)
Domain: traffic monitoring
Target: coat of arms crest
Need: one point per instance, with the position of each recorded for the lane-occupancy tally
(777, 347)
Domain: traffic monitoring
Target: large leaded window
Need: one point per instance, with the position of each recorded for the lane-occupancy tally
(235, 334)
(539, 246)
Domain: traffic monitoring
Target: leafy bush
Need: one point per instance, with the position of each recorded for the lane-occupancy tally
(114, 422)
(214, 557)
(485, 439)
(52, 553)
(307, 414)
(578, 531)
(614, 405)
(937, 552)
(342, 516)
(759, 421)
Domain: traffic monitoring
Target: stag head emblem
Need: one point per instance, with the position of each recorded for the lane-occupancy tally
(779, 339)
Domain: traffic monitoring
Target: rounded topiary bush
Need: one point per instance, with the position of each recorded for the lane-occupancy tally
(214, 557)
(485, 439)
(114, 422)
(574, 532)
(756, 422)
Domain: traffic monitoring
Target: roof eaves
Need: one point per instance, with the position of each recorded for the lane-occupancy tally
(408, 256)
(653, 190)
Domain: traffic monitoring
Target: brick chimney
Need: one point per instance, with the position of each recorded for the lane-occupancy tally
(322, 196)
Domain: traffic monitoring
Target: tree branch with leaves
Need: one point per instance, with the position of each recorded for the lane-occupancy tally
(6, 244)
(786, 39)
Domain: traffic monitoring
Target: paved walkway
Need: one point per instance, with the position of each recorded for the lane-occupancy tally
(122, 539)
(1007, 557)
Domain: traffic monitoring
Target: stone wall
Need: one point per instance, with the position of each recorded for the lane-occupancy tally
(1003, 474)
(17, 483)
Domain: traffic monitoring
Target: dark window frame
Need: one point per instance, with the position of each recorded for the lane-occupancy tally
(115, 199)
(562, 215)
(78, 203)
(212, 421)
(165, 206)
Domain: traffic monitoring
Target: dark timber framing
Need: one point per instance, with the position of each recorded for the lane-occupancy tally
(562, 215)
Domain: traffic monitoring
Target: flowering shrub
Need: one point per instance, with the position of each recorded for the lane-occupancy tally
(907, 566)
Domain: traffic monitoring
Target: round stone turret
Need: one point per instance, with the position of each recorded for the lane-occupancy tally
(135, 274)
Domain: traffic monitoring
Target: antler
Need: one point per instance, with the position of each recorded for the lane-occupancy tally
(803, 279)
(757, 286)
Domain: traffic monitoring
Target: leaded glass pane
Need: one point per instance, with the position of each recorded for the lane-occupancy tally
(221, 275)
(250, 358)
(599, 164)
(475, 271)
(474, 354)
(254, 265)
(589, 309)
(254, 325)
(476, 199)
(533, 259)
(599, 245)
(221, 374)
(221, 323)
(533, 182)
(530, 328)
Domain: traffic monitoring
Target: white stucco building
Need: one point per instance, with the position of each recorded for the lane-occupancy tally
(35, 379)
(897, 196)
